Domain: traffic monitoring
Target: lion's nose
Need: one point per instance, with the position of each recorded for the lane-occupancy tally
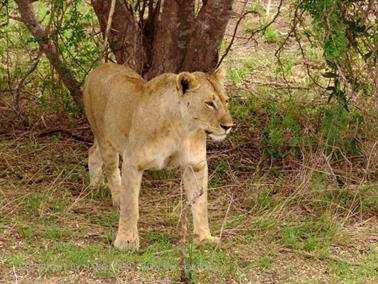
(226, 127)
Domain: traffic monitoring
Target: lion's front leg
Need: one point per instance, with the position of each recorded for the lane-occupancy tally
(195, 183)
(127, 236)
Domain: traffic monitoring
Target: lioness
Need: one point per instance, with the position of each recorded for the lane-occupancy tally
(155, 124)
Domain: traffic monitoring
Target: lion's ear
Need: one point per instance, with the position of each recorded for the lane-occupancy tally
(220, 74)
(186, 81)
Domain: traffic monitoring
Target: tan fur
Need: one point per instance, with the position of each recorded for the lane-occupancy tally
(155, 124)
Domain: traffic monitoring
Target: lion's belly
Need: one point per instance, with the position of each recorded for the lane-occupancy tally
(171, 161)
(161, 162)
(166, 152)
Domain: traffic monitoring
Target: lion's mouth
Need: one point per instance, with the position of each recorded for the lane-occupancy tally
(217, 137)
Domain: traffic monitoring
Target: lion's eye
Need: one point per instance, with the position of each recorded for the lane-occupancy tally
(227, 102)
(210, 104)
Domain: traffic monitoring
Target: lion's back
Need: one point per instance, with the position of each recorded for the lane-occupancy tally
(106, 79)
(108, 84)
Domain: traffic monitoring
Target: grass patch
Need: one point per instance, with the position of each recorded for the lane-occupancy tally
(365, 272)
(55, 226)
(271, 35)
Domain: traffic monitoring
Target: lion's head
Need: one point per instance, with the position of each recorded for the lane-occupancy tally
(203, 101)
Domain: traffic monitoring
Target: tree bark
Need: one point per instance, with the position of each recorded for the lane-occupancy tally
(49, 49)
(171, 38)
(172, 32)
(125, 35)
(205, 42)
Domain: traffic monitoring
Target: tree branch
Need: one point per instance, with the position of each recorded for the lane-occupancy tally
(228, 48)
(104, 52)
(125, 36)
(265, 27)
(20, 83)
(50, 49)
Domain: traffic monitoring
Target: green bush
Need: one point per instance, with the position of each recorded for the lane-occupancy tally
(271, 35)
(287, 127)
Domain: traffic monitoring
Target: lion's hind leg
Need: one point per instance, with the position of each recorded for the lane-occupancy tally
(95, 165)
(111, 169)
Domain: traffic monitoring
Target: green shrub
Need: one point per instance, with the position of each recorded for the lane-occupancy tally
(271, 35)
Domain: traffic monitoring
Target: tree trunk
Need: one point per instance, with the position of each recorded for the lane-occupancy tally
(168, 37)
(205, 42)
(49, 49)
(125, 37)
(172, 32)
(152, 37)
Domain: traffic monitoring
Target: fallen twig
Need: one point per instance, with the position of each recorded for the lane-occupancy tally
(277, 85)
(320, 257)
(46, 132)
(225, 217)
(184, 278)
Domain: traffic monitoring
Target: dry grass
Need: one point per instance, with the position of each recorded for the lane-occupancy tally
(295, 218)
(278, 229)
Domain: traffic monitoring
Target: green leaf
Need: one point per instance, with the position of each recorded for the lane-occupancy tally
(329, 75)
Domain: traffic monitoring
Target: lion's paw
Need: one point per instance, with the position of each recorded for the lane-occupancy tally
(116, 200)
(124, 243)
(96, 182)
(207, 240)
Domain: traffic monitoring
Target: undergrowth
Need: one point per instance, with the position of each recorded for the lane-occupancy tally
(292, 192)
